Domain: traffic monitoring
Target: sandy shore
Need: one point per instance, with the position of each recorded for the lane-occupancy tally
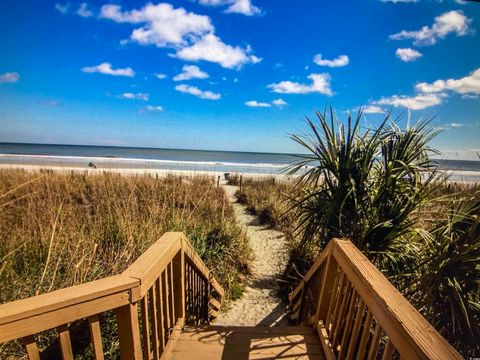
(130, 171)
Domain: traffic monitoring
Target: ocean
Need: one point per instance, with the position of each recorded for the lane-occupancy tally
(176, 159)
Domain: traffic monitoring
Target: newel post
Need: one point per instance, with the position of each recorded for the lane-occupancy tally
(326, 289)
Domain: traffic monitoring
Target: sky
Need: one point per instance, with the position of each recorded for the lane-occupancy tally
(237, 75)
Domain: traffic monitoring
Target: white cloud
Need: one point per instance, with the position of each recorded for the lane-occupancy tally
(340, 61)
(135, 96)
(84, 11)
(211, 48)
(467, 85)
(450, 22)
(372, 109)
(163, 25)
(190, 72)
(456, 125)
(255, 103)
(160, 76)
(320, 84)
(417, 102)
(279, 102)
(193, 90)
(192, 35)
(244, 7)
(408, 54)
(106, 68)
(9, 77)
(62, 8)
(153, 108)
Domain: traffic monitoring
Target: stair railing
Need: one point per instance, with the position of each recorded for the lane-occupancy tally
(359, 314)
(152, 299)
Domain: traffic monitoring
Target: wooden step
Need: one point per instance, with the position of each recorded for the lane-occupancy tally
(247, 342)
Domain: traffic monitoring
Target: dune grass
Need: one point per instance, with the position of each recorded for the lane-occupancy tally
(59, 230)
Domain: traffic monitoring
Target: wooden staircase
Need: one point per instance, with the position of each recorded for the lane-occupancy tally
(162, 306)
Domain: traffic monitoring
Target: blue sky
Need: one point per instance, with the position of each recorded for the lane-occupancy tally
(233, 74)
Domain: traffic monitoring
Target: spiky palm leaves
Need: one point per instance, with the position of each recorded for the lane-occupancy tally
(364, 185)
(449, 282)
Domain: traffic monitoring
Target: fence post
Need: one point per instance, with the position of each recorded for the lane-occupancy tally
(241, 183)
(218, 181)
(326, 289)
(129, 332)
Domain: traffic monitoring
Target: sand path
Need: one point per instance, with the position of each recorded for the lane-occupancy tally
(259, 305)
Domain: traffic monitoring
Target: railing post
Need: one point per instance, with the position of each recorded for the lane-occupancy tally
(328, 279)
(179, 283)
(129, 332)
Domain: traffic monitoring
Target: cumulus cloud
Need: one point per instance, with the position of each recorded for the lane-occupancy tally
(9, 77)
(467, 85)
(135, 96)
(162, 24)
(211, 48)
(451, 22)
(152, 108)
(340, 61)
(193, 90)
(62, 8)
(244, 7)
(190, 72)
(160, 76)
(84, 11)
(255, 103)
(279, 102)
(372, 109)
(417, 102)
(106, 68)
(191, 35)
(408, 54)
(320, 84)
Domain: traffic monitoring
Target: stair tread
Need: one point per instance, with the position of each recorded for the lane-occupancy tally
(247, 342)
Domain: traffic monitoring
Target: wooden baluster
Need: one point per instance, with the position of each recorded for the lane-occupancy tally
(65, 343)
(153, 313)
(372, 354)
(31, 347)
(388, 351)
(129, 332)
(172, 295)
(340, 312)
(166, 306)
(147, 349)
(356, 329)
(341, 317)
(160, 313)
(327, 290)
(179, 283)
(96, 336)
(348, 325)
(338, 303)
(334, 295)
(365, 335)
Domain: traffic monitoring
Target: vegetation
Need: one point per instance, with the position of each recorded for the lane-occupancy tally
(59, 230)
(380, 189)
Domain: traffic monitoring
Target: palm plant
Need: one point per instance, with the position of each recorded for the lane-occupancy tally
(448, 287)
(365, 185)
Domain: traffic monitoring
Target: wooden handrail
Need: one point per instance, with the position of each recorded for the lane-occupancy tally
(355, 309)
(156, 284)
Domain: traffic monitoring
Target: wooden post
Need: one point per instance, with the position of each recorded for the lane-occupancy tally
(326, 289)
(31, 347)
(218, 181)
(96, 336)
(129, 332)
(241, 183)
(65, 343)
(179, 284)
